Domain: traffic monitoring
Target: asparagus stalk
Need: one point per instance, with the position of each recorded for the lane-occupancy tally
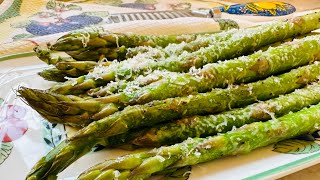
(99, 38)
(170, 84)
(130, 86)
(131, 52)
(67, 66)
(242, 42)
(160, 111)
(81, 114)
(78, 111)
(45, 56)
(121, 53)
(85, 54)
(199, 150)
(202, 126)
(53, 74)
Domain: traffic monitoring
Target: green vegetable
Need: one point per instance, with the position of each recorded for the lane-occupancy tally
(241, 70)
(172, 49)
(242, 41)
(162, 85)
(53, 74)
(199, 150)
(67, 66)
(202, 126)
(99, 38)
(71, 110)
(160, 111)
(85, 54)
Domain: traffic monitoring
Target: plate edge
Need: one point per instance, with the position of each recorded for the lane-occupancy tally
(288, 168)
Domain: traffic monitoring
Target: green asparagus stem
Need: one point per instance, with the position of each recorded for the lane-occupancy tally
(83, 66)
(67, 66)
(199, 150)
(85, 54)
(132, 52)
(241, 42)
(99, 38)
(78, 111)
(53, 74)
(202, 40)
(72, 110)
(160, 111)
(124, 85)
(45, 56)
(202, 126)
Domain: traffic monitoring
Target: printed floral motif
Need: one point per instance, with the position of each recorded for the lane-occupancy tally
(10, 11)
(260, 8)
(301, 145)
(12, 122)
(53, 134)
(53, 20)
(12, 127)
(5, 151)
(67, 24)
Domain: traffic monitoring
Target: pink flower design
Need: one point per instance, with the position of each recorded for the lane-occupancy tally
(12, 124)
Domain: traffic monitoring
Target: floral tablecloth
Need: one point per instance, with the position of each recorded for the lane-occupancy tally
(26, 23)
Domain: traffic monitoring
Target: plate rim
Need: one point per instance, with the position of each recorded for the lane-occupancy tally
(288, 168)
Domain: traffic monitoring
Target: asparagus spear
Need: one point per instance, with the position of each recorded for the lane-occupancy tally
(79, 115)
(131, 52)
(67, 66)
(121, 53)
(123, 85)
(85, 54)
(53, 74)
(202, 126)
(160, 111)
(244, 41)
(99, 38)
(78, 111)
(45, 56)
(199, 150)
(245, 69)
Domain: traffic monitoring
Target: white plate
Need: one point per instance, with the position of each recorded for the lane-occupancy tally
(32, 137)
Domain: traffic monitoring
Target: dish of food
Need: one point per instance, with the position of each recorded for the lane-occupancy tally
(187, 100)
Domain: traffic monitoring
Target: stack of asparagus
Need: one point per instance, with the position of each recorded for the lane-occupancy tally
(180, 89)
(88, 47)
